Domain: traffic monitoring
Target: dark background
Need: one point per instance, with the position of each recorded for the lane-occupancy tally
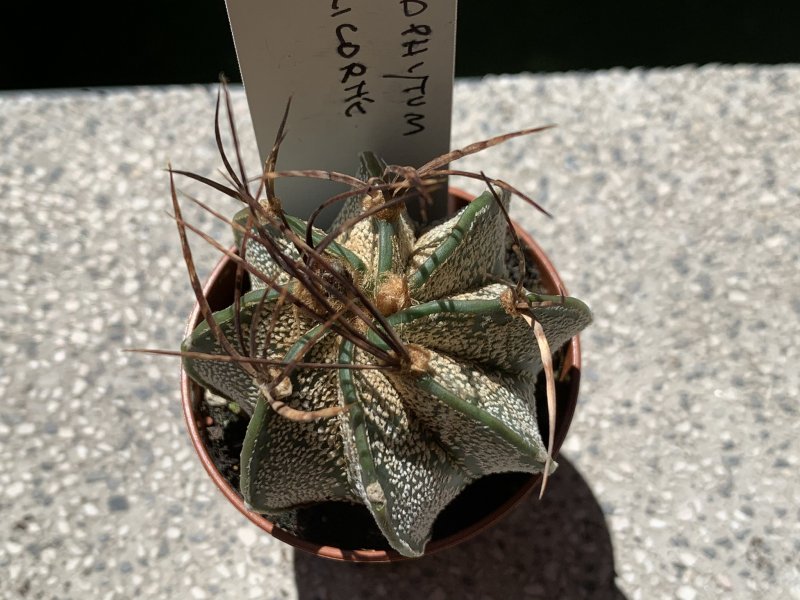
(93, 43)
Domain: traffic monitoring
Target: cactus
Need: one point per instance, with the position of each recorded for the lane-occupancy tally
(378, 365)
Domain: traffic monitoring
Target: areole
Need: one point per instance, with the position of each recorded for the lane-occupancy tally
(219, 290)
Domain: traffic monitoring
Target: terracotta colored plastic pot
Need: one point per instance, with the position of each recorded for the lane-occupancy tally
(477, 508)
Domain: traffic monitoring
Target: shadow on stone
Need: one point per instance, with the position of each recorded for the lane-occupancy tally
(555, 548)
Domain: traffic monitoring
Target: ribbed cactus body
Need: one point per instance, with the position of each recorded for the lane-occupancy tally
(411, 439)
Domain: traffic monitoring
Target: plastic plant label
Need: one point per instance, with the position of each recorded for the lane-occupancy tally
(363, 75)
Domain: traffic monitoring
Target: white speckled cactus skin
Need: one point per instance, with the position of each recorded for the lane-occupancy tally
(410, 438)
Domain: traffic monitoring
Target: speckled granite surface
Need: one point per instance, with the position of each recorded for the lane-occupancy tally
(677, 195)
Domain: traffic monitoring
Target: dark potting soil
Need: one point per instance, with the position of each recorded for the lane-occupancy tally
(351, 526)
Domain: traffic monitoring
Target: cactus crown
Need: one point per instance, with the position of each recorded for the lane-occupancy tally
(378, 365)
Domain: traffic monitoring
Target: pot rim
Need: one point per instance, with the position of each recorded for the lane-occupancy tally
(572, 361)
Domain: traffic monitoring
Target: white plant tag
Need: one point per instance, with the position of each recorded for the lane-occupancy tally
(363, 75)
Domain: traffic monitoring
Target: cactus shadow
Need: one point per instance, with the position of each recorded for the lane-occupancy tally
(559, 547)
